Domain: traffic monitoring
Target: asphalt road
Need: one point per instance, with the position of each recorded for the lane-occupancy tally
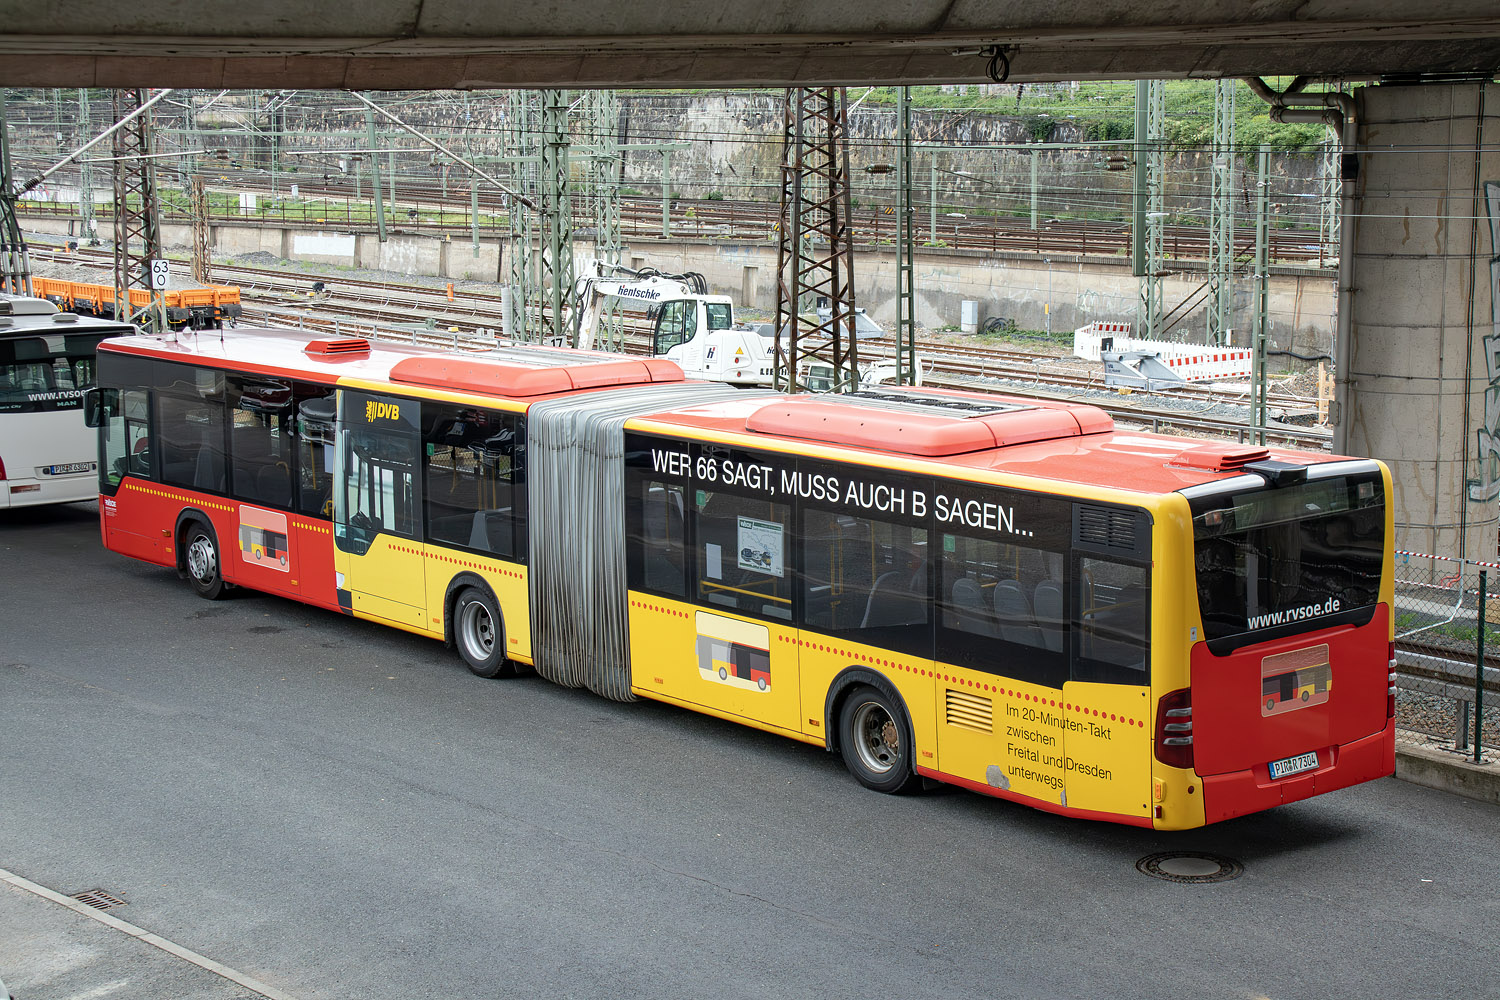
(341, 810)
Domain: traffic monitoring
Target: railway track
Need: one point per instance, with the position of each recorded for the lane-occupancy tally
(426, 206)
(352, 306)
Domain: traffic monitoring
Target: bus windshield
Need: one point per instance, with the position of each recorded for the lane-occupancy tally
(1274, 561)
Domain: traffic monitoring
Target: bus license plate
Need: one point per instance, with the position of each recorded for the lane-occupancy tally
(69, 469)
(1294, 765)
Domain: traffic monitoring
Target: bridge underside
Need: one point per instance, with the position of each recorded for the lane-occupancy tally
(470, 44)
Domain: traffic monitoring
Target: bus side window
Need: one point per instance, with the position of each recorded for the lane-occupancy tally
(866, 579)
(1000, 609)
(742, 551)
(315, 443)
(260, 441)
(658, 537)
(471, 469)
(1110, 622)
(190, 409)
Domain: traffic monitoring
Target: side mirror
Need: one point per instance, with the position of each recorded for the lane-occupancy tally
(99, 405)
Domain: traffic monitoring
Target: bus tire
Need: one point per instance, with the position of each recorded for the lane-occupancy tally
(201, 559)
(479, 633)
(875, 741)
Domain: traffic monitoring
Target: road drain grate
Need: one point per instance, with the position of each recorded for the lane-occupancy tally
(98, 899)
(1182, 866)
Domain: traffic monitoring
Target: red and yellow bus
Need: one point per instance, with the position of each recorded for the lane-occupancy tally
(1008, 595)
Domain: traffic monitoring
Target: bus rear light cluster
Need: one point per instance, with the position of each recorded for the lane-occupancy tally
(1390, 693)
(2, 469)
(1174, 729)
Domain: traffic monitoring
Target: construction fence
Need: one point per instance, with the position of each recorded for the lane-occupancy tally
(1448, 654)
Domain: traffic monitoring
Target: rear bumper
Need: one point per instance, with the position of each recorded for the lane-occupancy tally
(43, 490)
(1240, 792)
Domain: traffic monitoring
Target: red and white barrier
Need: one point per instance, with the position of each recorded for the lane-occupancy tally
(1189, 362)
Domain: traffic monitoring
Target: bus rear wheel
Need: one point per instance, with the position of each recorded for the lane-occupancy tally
(875, 740)
(201, 554)
(478, 631)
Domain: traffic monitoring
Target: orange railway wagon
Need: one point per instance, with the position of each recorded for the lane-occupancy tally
(1008, 595)
(186, 308)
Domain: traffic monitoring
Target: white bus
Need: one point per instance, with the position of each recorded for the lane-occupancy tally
(47, 455)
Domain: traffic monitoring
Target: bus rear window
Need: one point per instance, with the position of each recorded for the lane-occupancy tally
(45, 372)
(1300, 557)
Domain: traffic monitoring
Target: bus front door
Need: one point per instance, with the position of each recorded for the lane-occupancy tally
(377, 526)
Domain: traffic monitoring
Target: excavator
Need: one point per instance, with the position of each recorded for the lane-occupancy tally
(691, 327)
(698, 330)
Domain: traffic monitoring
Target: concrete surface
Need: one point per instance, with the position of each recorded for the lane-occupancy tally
(54, 946)
(424, 44)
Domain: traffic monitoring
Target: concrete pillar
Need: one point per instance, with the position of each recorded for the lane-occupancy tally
(1424, 362)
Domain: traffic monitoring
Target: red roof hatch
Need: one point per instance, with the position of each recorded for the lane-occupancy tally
(497, 378)
(1227, 456)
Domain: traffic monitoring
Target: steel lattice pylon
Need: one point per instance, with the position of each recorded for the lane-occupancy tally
(603, 121)
(1221, 218)
(1331, 193)
(88, 226)
(15, 262)
(525, 285)
(556, 201)
(1150, 217)
(137, 216)
(815, 253)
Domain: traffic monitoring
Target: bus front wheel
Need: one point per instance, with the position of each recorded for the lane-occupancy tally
(875, 740)
(478, 632)
(201, 553)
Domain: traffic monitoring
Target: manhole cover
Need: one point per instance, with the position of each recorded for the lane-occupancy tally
(1182, 866)
(98, 899)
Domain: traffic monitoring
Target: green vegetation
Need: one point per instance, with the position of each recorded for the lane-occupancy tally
(1106, 112)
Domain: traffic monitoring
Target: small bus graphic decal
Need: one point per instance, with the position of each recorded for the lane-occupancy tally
(263, 538)
(1299, 679)
(734, 652)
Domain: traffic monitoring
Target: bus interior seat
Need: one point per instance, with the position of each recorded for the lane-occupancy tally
(491, 531)
(208, 470)
(1048, 602)
(892, 603)
(273, 484)
(970, 612)
(1013, 609)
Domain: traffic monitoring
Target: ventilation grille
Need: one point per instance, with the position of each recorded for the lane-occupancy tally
(1107, 526)
(970, 711)
(349, 345)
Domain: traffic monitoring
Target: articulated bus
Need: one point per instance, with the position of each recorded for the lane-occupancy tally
(1003, 594)
(47, 454)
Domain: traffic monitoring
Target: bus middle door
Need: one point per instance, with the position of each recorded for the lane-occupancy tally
(379, 561)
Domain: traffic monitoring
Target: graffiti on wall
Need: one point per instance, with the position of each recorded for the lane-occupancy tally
(1487, 486)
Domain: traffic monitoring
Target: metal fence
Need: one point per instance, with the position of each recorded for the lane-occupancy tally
(1448, 654)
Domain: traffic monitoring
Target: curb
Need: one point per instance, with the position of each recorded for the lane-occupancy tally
(1449, 771)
